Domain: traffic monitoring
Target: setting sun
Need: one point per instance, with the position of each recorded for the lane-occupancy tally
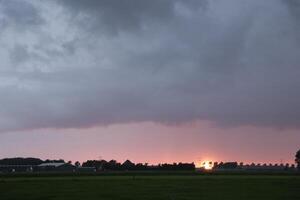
(207, 165)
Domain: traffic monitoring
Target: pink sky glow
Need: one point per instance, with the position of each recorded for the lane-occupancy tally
(155, 143)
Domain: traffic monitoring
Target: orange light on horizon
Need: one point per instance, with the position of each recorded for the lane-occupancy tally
(207, 165)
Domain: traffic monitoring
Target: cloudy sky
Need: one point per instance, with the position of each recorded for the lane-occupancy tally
(154, 81)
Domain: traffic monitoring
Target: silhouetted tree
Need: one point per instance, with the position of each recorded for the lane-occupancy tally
(292, 166)
(215, 165)
(297, 159)
(227, 165)
(113, 165)
(100, 165)
(77, 164)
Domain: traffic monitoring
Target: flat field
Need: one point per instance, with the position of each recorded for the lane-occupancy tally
(167, 187)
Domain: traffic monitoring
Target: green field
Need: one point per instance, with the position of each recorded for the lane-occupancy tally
(210, 187)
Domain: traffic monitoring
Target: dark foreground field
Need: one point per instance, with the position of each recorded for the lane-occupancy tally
(210, 187)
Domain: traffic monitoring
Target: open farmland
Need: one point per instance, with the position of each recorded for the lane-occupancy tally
(210, 187)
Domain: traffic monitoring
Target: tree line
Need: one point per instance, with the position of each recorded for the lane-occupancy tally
(113, 165)
(127, 165)
(99, 165)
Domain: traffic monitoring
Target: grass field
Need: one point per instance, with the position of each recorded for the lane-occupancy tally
(206, 187)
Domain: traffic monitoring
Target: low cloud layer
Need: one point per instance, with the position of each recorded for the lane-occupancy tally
(76, 63)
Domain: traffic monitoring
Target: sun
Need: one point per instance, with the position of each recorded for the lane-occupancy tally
(207, 165)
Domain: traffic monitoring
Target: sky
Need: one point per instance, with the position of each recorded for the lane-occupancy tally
(151, 81)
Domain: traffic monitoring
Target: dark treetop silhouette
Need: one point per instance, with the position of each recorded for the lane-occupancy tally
(297, 159)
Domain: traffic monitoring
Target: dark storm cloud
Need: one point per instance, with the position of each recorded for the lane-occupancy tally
(113, 16)
(100, 62)
(294, 8)
(294, 5)
(19, 12)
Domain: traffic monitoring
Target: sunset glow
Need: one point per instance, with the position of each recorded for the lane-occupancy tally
(207, 165)
(178, 81)
(155, 143)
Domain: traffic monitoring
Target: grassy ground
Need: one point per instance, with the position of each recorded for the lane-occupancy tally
(210, 187)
